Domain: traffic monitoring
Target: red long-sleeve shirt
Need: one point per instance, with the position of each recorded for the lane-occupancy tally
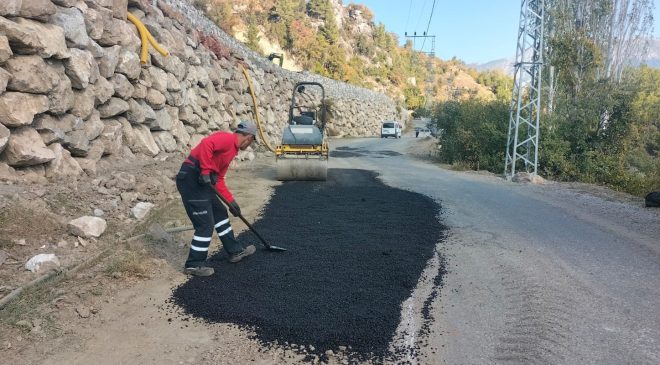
(214, 154)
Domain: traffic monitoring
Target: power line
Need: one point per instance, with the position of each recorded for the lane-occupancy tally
(420, 15)
(408, 18)
(428, 25)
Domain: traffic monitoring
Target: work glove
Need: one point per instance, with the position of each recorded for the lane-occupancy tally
(234, 209)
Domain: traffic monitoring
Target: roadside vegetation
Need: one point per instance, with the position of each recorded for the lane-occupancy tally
(344, 43)
(601, 114)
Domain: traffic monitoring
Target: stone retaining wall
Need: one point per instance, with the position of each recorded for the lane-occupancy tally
(73, 91)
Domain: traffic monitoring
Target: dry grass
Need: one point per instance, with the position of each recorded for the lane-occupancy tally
(128, 263)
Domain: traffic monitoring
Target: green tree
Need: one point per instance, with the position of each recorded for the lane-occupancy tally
(414, 97)
(252, 35)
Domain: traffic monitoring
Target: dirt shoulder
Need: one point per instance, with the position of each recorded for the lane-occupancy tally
(117, 301)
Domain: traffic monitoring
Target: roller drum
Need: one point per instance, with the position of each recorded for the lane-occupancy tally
(302, 169)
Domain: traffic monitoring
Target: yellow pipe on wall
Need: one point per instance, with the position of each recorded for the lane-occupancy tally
(256, 112)
(146, 38)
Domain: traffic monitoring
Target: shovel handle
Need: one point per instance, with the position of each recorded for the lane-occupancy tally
(222, 198)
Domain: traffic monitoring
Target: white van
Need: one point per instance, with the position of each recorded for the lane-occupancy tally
(390, 129)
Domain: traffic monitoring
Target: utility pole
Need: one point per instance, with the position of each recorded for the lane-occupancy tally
(415, 36)
(431, 79)
(523, 137)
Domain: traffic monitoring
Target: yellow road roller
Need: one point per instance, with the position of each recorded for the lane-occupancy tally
(303, 154)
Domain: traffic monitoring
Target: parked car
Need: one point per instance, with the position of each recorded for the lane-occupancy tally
(390, 129)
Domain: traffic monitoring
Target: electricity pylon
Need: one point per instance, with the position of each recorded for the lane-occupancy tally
(523, 137)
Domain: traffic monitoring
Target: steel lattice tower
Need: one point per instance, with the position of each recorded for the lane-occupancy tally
(523, 136)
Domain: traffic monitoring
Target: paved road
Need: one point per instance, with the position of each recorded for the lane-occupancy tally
(536, 274)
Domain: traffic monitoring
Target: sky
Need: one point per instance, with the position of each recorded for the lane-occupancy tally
(475, 31)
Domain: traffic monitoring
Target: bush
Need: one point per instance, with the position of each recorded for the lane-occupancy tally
(473, 133)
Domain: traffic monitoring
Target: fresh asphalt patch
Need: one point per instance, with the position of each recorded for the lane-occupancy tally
(344, 152)
(356, 250)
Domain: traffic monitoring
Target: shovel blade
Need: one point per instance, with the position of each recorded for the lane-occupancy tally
(276, 249)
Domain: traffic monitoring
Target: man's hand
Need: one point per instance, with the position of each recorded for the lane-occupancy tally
(234, 209)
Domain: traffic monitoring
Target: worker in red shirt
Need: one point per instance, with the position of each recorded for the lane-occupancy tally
(207, 165)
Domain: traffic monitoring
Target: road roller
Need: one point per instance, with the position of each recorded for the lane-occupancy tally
(303, 154)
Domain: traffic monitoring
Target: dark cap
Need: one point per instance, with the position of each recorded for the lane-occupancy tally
(247, 127)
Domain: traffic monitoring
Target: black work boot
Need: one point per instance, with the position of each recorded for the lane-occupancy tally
(249, 250)
(199, 271)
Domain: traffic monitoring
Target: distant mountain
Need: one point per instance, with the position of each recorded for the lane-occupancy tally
(653, 58)
(506, 64)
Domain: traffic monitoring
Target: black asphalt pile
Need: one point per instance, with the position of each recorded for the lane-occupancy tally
(356, 249)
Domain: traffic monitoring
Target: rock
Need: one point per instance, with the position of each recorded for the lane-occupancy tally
(112, 33)
(26, 148)
(81, 68)
(3, 258)
(51, 128)
(159, 79)
(87, 226)
(526, 177)
(42, 261)
(5, 76)
(30, 74)
(94, 21)
(140, 91)
(17, 109)
(136, 113)
(83, 102)
(75, 31)
(172, 83)
(144, 141)
(179, 132)
(5, 50)
(96, 150)
(31, 37)
(37, 9)
(103, 90)
(93, 126)
(4, 137)
(155, 98)
(195, 139)
(65, 3)
(123, 88)
(10, 7)
(63, 167)
(121, 181)
(108, 63)
(163, 121)
(129, 64)
(128, 196)
(119, 8)
(171, 64)
(35, 174)
(141, 209)
(61, 98)
(98, 212)
(77, 143)
(7, 173)
(83, 311)
(165, 141)
(113, 107)
(88, 166)
(111, 137)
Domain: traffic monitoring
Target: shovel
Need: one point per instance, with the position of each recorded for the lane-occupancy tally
(266, 244)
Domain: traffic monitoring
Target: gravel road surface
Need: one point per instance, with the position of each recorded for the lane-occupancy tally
(537, 274)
